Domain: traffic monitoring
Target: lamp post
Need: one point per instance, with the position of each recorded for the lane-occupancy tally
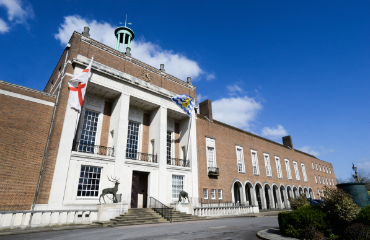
(355, 175)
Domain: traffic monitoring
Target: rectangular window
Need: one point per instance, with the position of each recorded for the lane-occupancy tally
(152, 146)
(267, 165)
(327, 170)
(317, 167)
(239, 157)
(213, 193)
(332, 180)
(315, 179)
(210, 160)
(319, 179)
(88, 133)
(205, 193)
(320, 167)
(255, 162)
(88, 184)
(132, 139)
(278, 167)
(183, 150)
(304, 172)
(169, 147)
(177, 185)
(219, 193)
(296, 170)
(330, 170)
(329, 182)
(323, 180)
(326, 180)
(323, 168)
(287, 167)
(313, 167)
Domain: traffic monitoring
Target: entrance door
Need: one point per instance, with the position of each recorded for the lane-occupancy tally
(139, 189)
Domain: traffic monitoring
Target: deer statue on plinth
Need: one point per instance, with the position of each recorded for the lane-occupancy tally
(112, 191)
(183, 196)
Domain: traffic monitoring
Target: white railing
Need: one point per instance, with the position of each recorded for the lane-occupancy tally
(222, 211)
(45, 218)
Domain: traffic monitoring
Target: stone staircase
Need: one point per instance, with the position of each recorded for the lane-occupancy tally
(137, 216)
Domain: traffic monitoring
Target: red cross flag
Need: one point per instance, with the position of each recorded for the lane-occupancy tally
(77, 88)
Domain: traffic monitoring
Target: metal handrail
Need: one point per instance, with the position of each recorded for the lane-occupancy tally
(146, 157)
(163, 210)
(93, 149)
(178, 162)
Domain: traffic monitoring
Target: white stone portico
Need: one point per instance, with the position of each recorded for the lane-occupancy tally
(131, 98)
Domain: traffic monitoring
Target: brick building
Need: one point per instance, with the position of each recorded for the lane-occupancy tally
(131, 130)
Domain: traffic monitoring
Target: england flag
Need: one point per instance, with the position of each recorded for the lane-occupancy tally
(77, 88)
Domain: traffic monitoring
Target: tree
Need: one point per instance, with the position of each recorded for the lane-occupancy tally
(363, 177)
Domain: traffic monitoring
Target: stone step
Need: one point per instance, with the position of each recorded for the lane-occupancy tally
(134, 219)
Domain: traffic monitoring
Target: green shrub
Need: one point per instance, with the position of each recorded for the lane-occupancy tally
(298, 202)
(364, 216)
(311, 233)
(357, 231)
(339, 207)
(296, 222)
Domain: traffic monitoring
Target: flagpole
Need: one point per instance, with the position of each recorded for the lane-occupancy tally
(187, 150)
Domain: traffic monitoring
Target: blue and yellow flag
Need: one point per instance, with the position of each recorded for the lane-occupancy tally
(185, 102)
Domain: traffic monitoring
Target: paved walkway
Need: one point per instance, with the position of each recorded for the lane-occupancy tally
(226, 228)
(273, 234)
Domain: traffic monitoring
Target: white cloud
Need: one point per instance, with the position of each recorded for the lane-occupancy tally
(3, 26)
(326, 150)
(236, 111)
(200, 98)
(309, 150)
(234, 89)
(210, 76)
(274, 133)
(152, 54)
(365, 166)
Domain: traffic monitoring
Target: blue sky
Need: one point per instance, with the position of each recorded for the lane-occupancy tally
(270, 67)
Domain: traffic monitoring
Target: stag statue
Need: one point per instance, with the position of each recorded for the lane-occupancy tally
(183, 195)
(112, 191)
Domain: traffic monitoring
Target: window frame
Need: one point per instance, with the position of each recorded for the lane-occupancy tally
(315, 179)
(210, 143)
(183, 184)
(256, 162)
(304, 172)
(241, 160)
(287, 168)
(296, 170)
(320, 167)
(313, 166)
(278, 167)
(98, 128)
(317, 169)
(268, 165)
(205, 193)
(329, 170)
(213, 193)
(319, 179)
(219, 191)
(99, 186)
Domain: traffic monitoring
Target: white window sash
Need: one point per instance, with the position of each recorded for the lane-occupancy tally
(255, 163)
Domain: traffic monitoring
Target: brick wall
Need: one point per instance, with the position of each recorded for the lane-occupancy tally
(146, 124)
(226, 137)
(106, 122)
(24, 127)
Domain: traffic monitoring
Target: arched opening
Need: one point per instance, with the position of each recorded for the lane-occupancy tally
(258, 195)
(267, 197)
(295, 193)
(306, 193)
(248, 193)
(289, 191)
(237, 194)
(300, 190)
(282, 196)
(311, 193)
(275, 194)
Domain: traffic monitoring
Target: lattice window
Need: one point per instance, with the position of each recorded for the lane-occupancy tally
(169, 146)
(287, 167)
(255, 163)
(315, 179)
(211, 159)
(205, 193)
(239, 156)
(213, 193)
(267, 165)
(319, 179)
(132, 139)
(88, 133)
(278, 167)
(177, 185)
(304, 172)
(296, 170)
(88, 184)
(219, 193)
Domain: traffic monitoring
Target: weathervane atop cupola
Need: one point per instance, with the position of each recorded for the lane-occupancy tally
(125, 36)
